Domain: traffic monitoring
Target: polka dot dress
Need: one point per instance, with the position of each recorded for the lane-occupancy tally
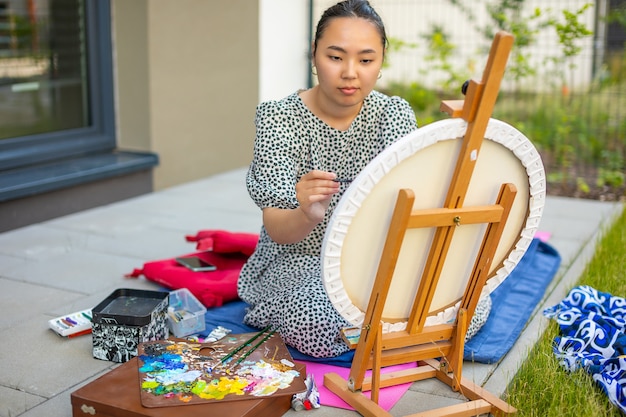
(283, 282)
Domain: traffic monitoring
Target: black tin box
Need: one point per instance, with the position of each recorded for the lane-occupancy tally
(126, 318)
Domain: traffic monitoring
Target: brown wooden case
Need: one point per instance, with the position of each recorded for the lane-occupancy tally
(117, 394)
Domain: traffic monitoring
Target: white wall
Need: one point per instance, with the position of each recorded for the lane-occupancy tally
(283, 47)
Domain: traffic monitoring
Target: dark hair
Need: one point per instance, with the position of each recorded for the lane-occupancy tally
(350, 8)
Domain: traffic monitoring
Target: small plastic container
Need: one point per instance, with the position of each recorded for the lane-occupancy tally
(185, 314)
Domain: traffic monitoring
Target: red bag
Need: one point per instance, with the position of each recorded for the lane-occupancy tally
(226, 250)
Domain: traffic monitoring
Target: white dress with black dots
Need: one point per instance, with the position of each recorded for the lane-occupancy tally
(283, 283)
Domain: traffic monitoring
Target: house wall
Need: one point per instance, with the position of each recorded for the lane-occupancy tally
(187, 83)
(188, 75)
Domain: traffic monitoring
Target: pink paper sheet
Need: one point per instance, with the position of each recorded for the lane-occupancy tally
(543, 236)
(388, 396)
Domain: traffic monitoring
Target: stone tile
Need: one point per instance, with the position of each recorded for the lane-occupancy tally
(88, 301)
(51, 365)
(77, 271)
(562, 227)
(56, 244)
(324, 411)
(230, 210)
(224, 219)
(60, 405)
(39, 242)
(415, 402)
(435, 387)
(565, 207)
(567, 248)
(15, 402)
(113, 220)
(477, 372)
(8, 262)
(145, 245)
(17, 302)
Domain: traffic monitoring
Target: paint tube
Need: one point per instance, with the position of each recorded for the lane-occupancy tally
(217, 334)
(308, 399)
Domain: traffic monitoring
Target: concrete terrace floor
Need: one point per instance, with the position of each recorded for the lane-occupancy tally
(74, 262)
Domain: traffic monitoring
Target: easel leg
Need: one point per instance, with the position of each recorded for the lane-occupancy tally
(378, 347)
(360, 402)
(461, 329)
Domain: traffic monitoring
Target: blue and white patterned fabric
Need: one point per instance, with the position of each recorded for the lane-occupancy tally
(593, 326)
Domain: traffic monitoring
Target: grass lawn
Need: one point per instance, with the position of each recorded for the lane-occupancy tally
(541, 387)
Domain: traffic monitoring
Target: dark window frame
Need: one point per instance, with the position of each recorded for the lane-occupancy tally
(100, 135)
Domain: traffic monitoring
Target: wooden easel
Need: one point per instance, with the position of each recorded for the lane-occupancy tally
(438, 348)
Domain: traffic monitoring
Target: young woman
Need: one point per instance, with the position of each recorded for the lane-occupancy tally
(304, 144)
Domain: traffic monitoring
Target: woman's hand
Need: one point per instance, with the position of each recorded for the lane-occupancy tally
(314, 192)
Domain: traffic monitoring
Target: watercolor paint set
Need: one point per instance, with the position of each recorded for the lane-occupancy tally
(71, 325)
(185, 313)
(125, 319)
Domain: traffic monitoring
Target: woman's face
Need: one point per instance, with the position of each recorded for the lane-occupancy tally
(348, 59)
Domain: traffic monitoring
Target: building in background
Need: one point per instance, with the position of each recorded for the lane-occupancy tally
(108, 99)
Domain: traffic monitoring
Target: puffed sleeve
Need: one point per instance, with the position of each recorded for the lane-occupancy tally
(272, 175)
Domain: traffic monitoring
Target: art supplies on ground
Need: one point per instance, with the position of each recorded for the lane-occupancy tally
(308, 399)
(72, 325)
(185, 313)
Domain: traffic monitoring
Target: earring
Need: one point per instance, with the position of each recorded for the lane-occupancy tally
(380, 75)
(313, 70)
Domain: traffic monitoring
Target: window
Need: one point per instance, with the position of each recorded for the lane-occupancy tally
(56, 87)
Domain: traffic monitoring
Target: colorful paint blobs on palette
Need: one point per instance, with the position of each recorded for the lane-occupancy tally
(178, 370)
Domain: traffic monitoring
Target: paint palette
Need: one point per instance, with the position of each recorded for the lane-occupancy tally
(71, 325)
(176, 372)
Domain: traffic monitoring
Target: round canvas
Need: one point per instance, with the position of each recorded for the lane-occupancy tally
(424, 161)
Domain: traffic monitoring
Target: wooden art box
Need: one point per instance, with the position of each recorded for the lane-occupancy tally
(125, 319)
(117, 394)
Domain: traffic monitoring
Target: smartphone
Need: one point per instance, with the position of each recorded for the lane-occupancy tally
(196, 264)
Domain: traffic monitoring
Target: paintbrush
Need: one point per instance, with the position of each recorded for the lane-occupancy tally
(253, 348)
(243, 345)
(343, 180)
